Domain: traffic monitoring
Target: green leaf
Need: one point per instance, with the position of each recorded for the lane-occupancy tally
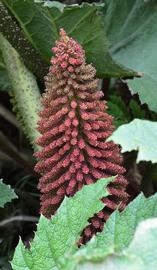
(41, 25)
(140, 255)
(14, 34)
(118, 109)
(136, 110)
(57, 237)
(132, 31)
(119, 229)
(146, 89)
(54, 4)
(144, 244)
(140, 135)
(122, 243)
(6, 194)
(25, 92)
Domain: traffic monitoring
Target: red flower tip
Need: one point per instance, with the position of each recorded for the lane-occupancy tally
(68, 54)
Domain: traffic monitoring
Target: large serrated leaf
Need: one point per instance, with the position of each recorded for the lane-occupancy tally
(41, 25)
(131, 27)
(57, 237)
(119, 229)
(14, 34)
(6, 194)
(140, 135)
(140, 255)
(121, 244)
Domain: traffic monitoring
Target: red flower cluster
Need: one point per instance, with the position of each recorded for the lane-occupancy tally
(74, 128)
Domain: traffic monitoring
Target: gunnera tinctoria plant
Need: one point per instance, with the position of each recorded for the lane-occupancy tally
(74, 127)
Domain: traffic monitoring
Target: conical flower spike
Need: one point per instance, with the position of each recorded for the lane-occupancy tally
(74, 127)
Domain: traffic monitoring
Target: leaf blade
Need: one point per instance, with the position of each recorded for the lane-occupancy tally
(144, 142)
(6, 194)
(119, 230)
(134, 45)
(87, 28)
(140, 255)
(66, 226)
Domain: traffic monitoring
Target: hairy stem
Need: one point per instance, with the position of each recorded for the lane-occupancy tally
(25, 92)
